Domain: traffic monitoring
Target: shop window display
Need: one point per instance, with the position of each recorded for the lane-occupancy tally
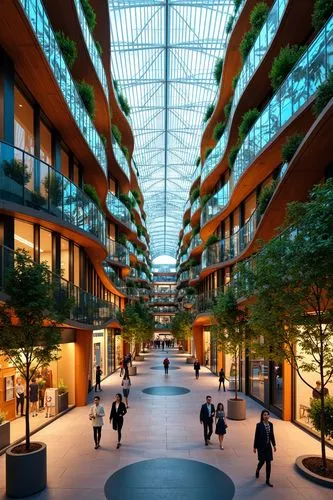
(258, 376)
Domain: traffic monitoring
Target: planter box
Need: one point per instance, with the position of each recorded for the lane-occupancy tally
(25, 473)
(311, 476)
(4, 435)
(62, 402)
(236, 409)
(132, 370)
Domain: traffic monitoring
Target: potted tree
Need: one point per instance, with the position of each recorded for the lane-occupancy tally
(62, 396)
(181, 329)
(29, 339)
(4, 431)
(230, 334)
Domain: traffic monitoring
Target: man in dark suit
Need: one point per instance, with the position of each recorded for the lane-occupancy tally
(207, 414)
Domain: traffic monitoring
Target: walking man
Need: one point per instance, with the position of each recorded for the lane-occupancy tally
(207, 414)
(221, 379)
(196, 366)
(166, 363)
(96, 415)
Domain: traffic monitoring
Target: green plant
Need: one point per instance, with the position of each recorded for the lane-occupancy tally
(208, 113)
(92, 193)
(90, 14)
(186, 221)
(54, 188)
(247, 43)
(205, 199)
(227, 108)
(207, 152)
(137, 324)
(237, 4)
(3, 416)
(136, 195)
(67, 47)
(37, 199)
(41, 384)
(315, 414)
(211, 240)
(116, 85)
(40, 305)
(235, 80)
(218, 130)
(248, 120)
(62, 388)
(125, 151)
(322, 10)
(181, 324)
(103, 139)
(229, 24)
(218, 70)
(190, 291)
(17, 171)
(324, 94)
(124, 104)
(127, 201)
(116, 133)
(122, 239)
(194, 194)
(233, 155)
(283, 64)
(259, 15)
(87, 95)
(198, 161)
(290, 147)
(264, 197)
(196, 230)
(99, 47)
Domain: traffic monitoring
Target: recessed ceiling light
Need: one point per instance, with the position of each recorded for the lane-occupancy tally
(20, 105)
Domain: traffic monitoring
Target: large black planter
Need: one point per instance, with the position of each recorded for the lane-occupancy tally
(25, 473)
(4, 435)
(62, 402)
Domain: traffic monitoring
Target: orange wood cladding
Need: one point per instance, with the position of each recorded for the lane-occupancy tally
(198, 342)
(287, 391)
(83, 353)
(8, 407)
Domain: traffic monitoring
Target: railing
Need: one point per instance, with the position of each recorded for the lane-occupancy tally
(87, 308)
(195, 206)
(28, 181)
(164, 279)
(196, 174)
(91, 46)
(117, 253)
(116, 280)
(165, 309)
(121, 159)
(162, 299)
(43, 30)
(301, 84)
(194, 272)
(184, 258)
(119, 210)
(162, 326)
(184, 276)
(252, 62)
(206, 300)
(134, 273)
(196, 242)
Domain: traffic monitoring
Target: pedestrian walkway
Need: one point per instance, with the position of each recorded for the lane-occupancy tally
(164, 427)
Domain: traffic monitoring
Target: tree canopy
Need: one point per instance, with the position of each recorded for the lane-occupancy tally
(137, 323)
(181, 326)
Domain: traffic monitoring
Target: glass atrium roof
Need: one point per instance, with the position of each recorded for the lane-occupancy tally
(163, 57)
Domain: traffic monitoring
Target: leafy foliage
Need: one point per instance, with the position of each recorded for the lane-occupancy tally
(233, 155)
(89, 13)
(205, 198)
(103, 139)
(53, 187)
(207, 152)
(17, 171)
(248, 120)
(99, 47)
(211, 240)
(324, 94)
(237, 4)
(290, 147)
(259, 15)
(92, 193)
(198, 161)
(137, 323)
(315, 414)
(124, 104)
(181, 326)
(116, 133)
(218, 70)
(67, 47)
(247, 43)
(218, 130)
(87, 95)
(322, 11)
(194, 194)
(208, 113)
(227, 108)
(284, 63)
(229, 24)
(265, 196)
(235, 80)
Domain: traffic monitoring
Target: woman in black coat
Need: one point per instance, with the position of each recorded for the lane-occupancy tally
(118, 410)
(263, 441)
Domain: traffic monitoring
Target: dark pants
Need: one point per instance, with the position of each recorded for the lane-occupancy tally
(119, 427)
(166, 369)
(196, 373)
(221, 382)
(208, 429)
(20, 402)
(268, 467)
(97, 434)
(98, 384)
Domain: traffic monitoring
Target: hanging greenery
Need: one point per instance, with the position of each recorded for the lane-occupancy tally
(324, 95)
(284, 63)
(90, 14)
(87, 95)
(208, 113)
(67, 47)
(218, 70)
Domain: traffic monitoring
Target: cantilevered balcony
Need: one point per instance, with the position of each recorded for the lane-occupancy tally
(121, 159)
(119, 210)
(195, 206)
(117, 253)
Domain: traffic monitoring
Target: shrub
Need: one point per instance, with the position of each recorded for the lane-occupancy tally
(237, 4)
(103, 139)
(195, 194)
(198, 161)
(90, 14)
(116, 133)
(264, 197)
(3, 416)
(227, 108)
(283, 64)
(99, 47)
(62, 388)
(324, 94)
(258, 16)
(230, 22)
(315, 415)
(67, 47)
(290, 147)
(205, 199)
(196, 230)
(218, 70)
(207, 152)
(116, 85)
(87, 95)
(125, 151)
(247, 43)
(92, 193)
(235, 80)
(211, 240)
(322, 10)
(186, 222)
(249, 118)
(208, 113)
(218, 130)
(124, 104)
(233, 155)
(122, 239)
(54, 188)
(136, 195)
(17, 171)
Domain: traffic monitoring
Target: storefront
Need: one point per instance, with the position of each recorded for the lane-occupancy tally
(266, 383)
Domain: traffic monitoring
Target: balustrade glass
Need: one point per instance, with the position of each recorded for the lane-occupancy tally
(195, 206)
(121, 159)
(117, 252)
(119, 210)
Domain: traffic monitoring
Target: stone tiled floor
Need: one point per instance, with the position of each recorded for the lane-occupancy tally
(161, 426)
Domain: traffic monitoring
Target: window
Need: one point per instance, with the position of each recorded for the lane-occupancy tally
(23, 123)
(64, 258)
(24, 236)
(76, 265)
(64, 158)
(46, 247)
(45, 144)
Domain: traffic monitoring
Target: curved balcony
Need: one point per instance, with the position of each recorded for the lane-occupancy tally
(295, 94)
(26, 180)
(194, 272)
(118, 282)
(121, 159)
(251, 64)
(91, 46)
(42, 28)
(118, 210)
(196, 174)
(195, 243)
(195, 206)
(117, 254)
(184, 276)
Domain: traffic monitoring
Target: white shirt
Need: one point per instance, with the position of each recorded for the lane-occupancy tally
(96, 415)
(209, 406)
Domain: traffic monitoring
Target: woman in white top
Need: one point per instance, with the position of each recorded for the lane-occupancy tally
(96, 415)
(126, 384)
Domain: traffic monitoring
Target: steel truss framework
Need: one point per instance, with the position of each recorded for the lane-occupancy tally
(163, 56)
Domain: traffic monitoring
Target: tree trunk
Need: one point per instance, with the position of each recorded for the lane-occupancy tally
(322, 420)
(236, 374)
(27, 409)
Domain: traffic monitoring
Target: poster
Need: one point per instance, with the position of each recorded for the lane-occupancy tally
(9, 388)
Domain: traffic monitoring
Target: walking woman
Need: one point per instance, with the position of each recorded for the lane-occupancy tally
(221, 379)
(263, 441)
(126, 384)
(220, 424)
(118, 410)
(196, 366)
(96, 415)
(98, 378)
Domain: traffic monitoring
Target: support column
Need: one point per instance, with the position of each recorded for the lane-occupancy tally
(198, 342)
(219, 360)
(83, 350)
(287, 391)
